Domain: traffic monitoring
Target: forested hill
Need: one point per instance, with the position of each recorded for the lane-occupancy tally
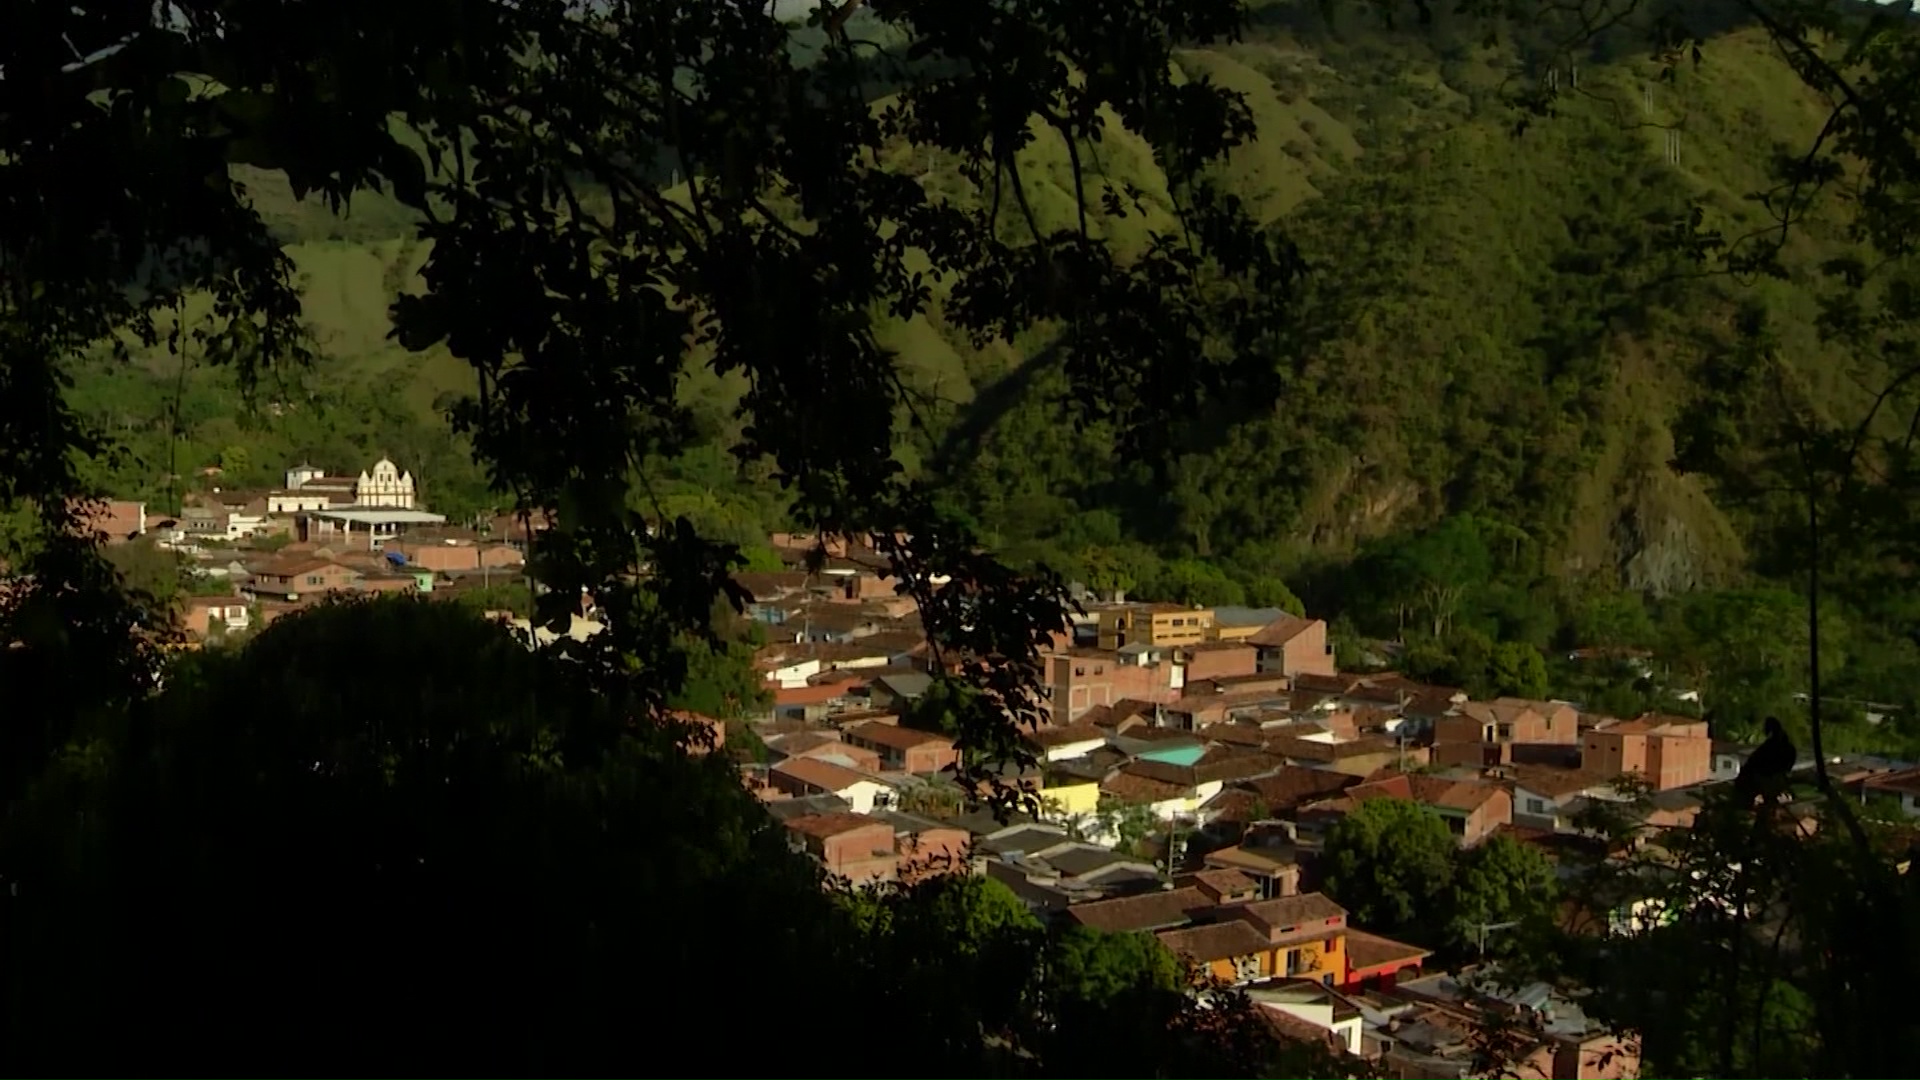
(1512, 341)
(1493, 328)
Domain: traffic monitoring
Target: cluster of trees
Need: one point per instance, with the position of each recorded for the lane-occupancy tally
(1399, 870)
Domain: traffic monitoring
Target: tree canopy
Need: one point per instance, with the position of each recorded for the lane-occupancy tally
(1390, 862)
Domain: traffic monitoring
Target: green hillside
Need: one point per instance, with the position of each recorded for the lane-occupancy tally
(1491, 330)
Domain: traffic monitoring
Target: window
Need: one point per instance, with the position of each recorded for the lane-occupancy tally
(1079, 671)
(1536, 806)
(313, 579)
(1098, 668)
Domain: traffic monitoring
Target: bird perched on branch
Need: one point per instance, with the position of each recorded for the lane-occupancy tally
(1765, 770)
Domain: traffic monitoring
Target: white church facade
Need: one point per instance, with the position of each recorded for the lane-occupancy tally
(383, 487)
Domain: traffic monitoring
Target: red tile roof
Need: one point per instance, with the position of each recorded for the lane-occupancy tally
(1280, 631)
(1219, 941)
(1304, 910)
(1293, 786)
(893, 736)
(1465, 796)
(1553, 783)
(1148, 911)
(1134, 788)
(825, 826)
(1293, 1029)
(1367, 953)
(1224, 882)
(824, 775)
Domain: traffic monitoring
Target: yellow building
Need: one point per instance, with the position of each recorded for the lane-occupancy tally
(1070, 800)
(1301, 936)
(1158, 625)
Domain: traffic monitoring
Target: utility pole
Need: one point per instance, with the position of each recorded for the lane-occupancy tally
(1480, 934)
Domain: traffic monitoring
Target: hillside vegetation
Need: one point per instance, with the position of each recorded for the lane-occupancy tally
(1492, 329)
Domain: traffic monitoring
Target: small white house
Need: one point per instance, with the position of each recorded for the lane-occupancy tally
(794, 674)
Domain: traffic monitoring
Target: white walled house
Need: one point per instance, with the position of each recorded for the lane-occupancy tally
(789, 676)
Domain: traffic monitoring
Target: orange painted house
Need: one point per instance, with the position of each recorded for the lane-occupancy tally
(1303, 936)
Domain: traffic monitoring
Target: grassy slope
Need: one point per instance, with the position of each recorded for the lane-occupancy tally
(1443, 394)
(1328, 117)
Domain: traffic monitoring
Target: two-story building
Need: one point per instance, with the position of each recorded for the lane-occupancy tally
(1292, 645)
(297, 577)
(1080, 680)
(1484, 733)
(854, 846)
(1668, 751)
(1162, 625)
(204, 616)
(800, 776)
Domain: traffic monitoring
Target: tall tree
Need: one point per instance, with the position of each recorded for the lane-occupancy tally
(1498, 882)
(1390, 863)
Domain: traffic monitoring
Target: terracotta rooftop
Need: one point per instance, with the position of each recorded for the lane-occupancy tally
(1292, 786)
(1465, 796)
(1224, 882)
(1280, 631)
(1218, 941)
(1304, 910)
(1649, 724)
(1553, 783)
(1293, 1029)
(1100, 716)
(803, 741)
(830, 825)
(291, 567)
(1233, 734)
(1161, 910)
(1366, 950)
(1264, 860)
(893, 736)
(1233, 805)
(1905, 781)
(1159, 734)
(1134, 788)
(1313, 750)
(821, 774)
